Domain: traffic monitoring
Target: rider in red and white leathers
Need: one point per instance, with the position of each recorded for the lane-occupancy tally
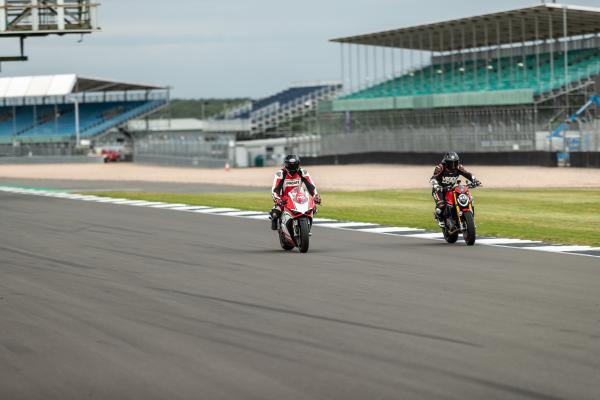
(286, 179)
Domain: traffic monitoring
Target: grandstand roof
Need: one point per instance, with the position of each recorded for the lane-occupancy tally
(448, 35)
(63, 85)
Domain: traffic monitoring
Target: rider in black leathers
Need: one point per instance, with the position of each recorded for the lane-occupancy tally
(445, 175)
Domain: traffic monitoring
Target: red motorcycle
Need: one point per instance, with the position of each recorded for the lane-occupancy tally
(460, 213)
(296, 220)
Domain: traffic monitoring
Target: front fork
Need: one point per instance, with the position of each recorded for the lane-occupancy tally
(458, 212)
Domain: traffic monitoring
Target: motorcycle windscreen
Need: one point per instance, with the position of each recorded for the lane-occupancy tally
(300, 200)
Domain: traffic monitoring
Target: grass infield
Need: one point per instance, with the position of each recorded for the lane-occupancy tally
(552, 215)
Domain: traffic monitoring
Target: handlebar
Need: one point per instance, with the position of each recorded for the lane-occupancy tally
(470, 185)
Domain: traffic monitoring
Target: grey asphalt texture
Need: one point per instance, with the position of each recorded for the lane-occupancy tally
(126, 186)
(107, 301)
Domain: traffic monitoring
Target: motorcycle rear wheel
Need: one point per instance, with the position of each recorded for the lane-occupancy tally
(450, 238)
(469, 234)
(303, 237)
(284, 245)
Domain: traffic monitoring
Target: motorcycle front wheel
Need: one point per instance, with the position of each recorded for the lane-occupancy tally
(469, 234)
(303, 234)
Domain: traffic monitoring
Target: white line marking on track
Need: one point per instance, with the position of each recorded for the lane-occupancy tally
(319, 220)
(561, 249)
(170, 205)
(131, 202)
(426, 235)
(264, 216)
(215, 210)
(147, 204)
(389, 230)
(344, 224)
(492, 241)
(188, 208)
(242, 213)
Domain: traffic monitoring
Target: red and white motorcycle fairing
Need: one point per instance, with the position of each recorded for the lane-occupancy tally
(296, 220)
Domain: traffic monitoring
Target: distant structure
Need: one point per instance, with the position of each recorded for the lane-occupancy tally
(492, 83)
(58, 114)
(275, 115)
(21, 19)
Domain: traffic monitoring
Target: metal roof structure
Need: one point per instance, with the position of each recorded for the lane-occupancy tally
(21, 18)
(541, 22)
(63, 85)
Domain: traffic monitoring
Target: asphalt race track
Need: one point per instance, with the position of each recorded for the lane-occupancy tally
(107, 301)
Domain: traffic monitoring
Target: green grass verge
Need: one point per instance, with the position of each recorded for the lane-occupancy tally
(552, 215)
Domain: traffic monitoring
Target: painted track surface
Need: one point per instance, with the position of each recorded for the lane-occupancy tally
(127, 186)
(109, 301)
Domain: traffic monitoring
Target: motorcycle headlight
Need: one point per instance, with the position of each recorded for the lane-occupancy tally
(463, 200)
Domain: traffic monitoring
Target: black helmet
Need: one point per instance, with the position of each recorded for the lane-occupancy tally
(292, 163)
(451, 161)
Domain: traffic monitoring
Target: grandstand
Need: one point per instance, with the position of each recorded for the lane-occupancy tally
(59, 111)
(489, 83)
(272, 114)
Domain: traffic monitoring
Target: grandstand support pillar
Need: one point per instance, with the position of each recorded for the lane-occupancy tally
(358, 74)
(498, 55)
(487, 55)
(551, 43)
(431, 69)
(350, 72)
(77, 127)
(452, 51)
(566, 46)
(510, 53)
(441, 75)
(366, 59)
(14, 121)
(462, 56)
(342, 72)
(412, 64)
(523, 54)
(473, 57)
(537, 51)
(421, 67)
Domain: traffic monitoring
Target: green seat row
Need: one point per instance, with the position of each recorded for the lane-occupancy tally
(541, 73)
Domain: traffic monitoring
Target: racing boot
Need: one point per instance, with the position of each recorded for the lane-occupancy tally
(439, 216)
(274, 216)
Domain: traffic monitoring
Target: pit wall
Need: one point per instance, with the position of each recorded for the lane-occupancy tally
(532, 158)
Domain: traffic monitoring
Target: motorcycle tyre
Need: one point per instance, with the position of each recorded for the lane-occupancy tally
(470, 233)
(284, 245)
(304, 239)
(450, 238)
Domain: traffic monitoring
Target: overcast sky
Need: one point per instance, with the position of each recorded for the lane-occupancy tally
(230, 48)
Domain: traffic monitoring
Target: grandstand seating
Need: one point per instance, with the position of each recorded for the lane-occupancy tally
(59, 121)
(508, 73)
(272, 111)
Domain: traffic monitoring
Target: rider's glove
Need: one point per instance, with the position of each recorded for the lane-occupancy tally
(317, 198)
(476, 182)
(437, 188)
